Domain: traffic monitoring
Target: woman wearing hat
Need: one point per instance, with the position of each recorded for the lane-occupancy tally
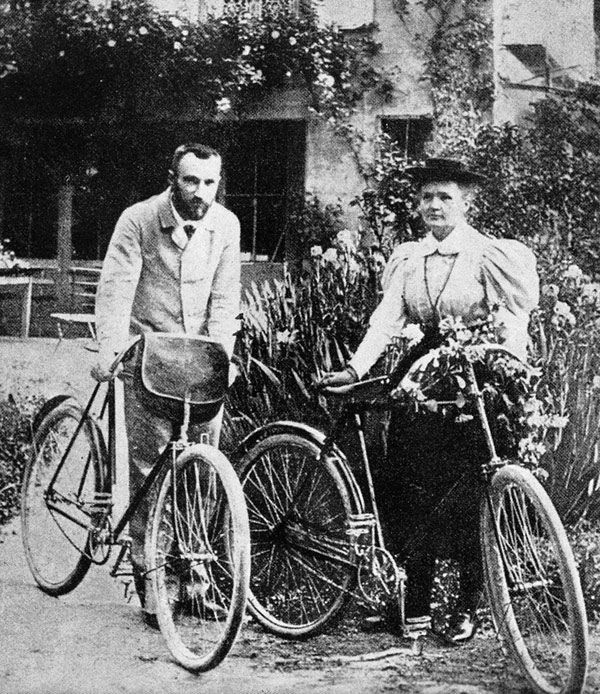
(453, 272)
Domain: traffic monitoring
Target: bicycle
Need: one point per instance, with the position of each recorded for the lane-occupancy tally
(197, 537)
(315, 542)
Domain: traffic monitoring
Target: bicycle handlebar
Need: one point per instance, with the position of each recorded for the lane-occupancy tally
(123, 353)
(359, 387)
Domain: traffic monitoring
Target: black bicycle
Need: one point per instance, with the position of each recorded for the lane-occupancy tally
(316, 537)
(197, 538)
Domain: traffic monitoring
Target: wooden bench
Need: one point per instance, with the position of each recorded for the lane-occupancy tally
(24, 284)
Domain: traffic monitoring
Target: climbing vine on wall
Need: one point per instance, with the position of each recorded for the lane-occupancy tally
(458, 64)
(74, 58)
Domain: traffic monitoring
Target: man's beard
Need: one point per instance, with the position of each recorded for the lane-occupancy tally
(193, 210)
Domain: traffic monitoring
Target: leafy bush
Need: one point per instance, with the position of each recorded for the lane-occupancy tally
(75, 57)
(297, 328)
(15, 443)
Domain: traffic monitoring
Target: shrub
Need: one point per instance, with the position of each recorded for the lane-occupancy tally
(15, 443)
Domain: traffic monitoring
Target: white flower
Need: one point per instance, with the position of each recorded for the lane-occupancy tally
(558, 422)
(413, 333)
(223, 105)
(246, 50)
(288, 74)
(463, 335)
(61, 54)
(316, 251)
(573, 272)
(563, 310)
(283, 337)
(275, 34)
(177, 46)
(331, 256)
(293, 41)
(143, 31)
(184, 32)
(176, 22)
(111, 43)
(550, 290)
(347, 240)
(325, 79)
(596, 382)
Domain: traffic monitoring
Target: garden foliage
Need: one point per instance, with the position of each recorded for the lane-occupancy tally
(15, 446)
(542, 188)
(77, 57)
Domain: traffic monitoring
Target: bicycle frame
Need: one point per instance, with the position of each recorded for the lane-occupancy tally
(102, 502)
(351, 417)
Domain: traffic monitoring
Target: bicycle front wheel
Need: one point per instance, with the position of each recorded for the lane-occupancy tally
(298, 506)
(198, 554)
(532, 581)
(66, 469)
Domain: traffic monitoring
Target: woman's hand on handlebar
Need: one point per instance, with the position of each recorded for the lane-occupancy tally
(338, 378)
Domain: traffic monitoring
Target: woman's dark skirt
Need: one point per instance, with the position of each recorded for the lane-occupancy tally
(429, 496)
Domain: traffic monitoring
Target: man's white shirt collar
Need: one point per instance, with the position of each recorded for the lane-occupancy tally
(179, 235)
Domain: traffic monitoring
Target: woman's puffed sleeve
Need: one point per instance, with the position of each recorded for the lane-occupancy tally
(511, 282)
(388, 319)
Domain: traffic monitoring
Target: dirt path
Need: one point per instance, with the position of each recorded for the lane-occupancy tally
(93, 642)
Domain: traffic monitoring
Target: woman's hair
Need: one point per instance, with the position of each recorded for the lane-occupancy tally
(198, 150)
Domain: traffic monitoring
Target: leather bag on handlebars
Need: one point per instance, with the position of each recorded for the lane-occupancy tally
(171, 366)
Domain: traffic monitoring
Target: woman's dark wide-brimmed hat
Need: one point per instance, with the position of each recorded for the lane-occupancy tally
(438, 169)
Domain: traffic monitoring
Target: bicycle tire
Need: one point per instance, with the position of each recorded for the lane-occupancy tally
(298, 506)
(55, 544)
(199, 563)
(532, 582)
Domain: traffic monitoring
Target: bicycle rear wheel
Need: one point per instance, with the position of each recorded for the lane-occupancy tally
(56, 520)
(198, 554)
(533, 584)
(298, 506)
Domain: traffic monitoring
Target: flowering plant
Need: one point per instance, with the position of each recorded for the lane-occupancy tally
(77, 57)
(8, 260)
(520, 418)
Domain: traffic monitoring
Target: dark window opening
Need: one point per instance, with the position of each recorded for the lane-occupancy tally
(112, 168)
(264, 172)
(410, 135)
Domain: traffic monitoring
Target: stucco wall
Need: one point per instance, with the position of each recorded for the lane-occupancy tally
(331, 168)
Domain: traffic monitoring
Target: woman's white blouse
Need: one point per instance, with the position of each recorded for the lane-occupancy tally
(465, 276)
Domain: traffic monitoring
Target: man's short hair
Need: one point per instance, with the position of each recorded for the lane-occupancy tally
(198, 150)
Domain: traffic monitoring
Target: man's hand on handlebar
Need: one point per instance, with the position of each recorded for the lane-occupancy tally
(102, 370)
(338, 378)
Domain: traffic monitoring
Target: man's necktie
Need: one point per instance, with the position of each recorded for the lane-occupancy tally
(189, 230)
